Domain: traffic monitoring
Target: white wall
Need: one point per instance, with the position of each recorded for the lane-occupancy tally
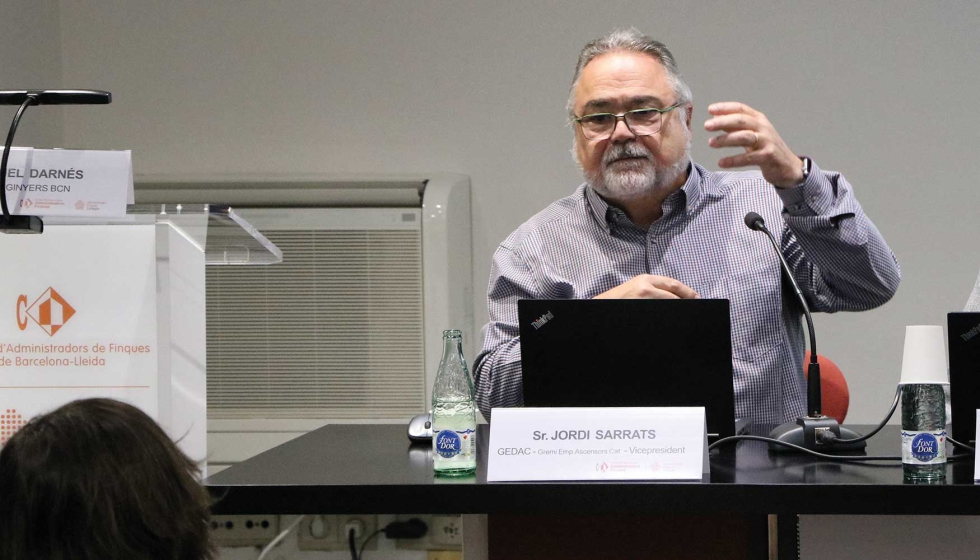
(881, 91)
(30, 58)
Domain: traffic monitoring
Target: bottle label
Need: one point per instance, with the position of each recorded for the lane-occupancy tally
(450, 443)
(923, 448)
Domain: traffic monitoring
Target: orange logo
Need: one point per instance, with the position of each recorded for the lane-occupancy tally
(10, 422)
(50, 311)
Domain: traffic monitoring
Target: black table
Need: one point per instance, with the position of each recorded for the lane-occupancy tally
(374, 469)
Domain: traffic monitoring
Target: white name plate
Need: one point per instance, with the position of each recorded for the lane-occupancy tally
(597, 444)
(976, 464)
(91, 183)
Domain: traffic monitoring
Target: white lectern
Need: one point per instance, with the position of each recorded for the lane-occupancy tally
(116, 308)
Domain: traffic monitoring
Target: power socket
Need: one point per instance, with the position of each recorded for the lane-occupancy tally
(445, 533)
(243, 530)
(329, 532)
(363, 525)
(318, 532)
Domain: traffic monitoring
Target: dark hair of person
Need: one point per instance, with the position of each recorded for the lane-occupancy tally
(99, 479)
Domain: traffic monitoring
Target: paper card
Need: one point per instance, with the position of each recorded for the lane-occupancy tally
(597, 444)
(976, 465)
(90, 183)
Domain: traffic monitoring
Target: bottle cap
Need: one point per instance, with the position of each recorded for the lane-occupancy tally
(924, 360)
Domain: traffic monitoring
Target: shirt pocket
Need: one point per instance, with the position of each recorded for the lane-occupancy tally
(755, 303)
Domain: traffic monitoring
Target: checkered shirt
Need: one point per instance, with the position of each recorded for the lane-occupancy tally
(580, 246)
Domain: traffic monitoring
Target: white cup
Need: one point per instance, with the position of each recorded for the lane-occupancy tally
(924, 360)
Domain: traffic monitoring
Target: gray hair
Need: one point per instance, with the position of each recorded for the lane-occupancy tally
(630, 40)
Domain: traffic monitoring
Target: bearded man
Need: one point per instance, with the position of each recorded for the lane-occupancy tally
(650, 223)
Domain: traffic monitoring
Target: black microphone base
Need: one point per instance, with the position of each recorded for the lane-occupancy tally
(21, 224)
(806, 432)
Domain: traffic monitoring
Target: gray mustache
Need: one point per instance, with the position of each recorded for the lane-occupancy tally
(619, 151)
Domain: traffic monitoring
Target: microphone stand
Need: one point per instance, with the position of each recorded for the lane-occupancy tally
(815, 431)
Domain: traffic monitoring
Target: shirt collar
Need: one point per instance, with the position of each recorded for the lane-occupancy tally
(692, 187)
(605, 214)
(598, 206)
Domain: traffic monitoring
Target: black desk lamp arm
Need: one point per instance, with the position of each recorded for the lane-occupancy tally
(30, 100)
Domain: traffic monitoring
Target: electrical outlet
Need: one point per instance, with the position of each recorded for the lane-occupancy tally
(446, 531)
(451, 525)
(364, 526)
(329, 532)
(243, 530)
(318, 532)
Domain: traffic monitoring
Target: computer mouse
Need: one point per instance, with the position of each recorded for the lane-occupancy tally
(420, 427)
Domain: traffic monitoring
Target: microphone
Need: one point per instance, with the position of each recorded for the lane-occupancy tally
(813, 431)
(56, 97)
(25, 97)
(755, 222)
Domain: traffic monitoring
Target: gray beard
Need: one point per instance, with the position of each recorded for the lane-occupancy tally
(638, 178)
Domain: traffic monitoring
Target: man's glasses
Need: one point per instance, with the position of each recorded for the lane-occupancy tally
(641, 122)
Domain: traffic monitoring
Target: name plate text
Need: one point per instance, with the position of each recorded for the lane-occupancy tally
(597, 444)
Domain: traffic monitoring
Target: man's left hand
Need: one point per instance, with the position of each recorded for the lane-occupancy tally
(744, 127)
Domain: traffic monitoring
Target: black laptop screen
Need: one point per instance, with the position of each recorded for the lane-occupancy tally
(614, 353)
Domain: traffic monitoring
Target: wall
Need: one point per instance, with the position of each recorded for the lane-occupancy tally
(30, 43)
(880, 91)
(883, 92)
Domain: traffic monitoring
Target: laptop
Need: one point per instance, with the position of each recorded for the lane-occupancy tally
(963, 334)
(629, 353)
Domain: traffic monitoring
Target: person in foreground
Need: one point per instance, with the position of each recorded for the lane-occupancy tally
(99, 479)
(650, 223)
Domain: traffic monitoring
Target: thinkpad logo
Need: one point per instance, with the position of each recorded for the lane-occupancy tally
(540, 321)
(970, 333)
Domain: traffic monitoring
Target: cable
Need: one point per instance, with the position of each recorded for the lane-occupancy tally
(6, 150)
(833, 457)
(352, 544)
(279, 538)
(891, 411)
(360, 553)
(803, 449)
(414, 528)
(958, 444)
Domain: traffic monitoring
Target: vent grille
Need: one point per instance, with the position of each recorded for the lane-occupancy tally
(333, 332)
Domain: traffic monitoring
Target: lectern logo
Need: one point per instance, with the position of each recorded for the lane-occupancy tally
(10, 422)
(50, 311)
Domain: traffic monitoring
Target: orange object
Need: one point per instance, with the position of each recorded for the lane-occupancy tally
(834, 394)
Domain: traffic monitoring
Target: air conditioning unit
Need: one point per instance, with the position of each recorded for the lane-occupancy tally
(348, 328)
